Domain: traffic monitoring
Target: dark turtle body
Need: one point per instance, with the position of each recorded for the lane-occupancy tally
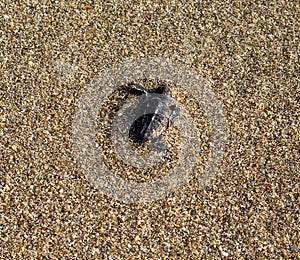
(150, 126)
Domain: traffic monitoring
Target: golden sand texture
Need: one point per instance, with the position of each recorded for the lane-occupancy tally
(50, 51)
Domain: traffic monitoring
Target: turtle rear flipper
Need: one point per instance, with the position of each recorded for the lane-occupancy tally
(156, 145)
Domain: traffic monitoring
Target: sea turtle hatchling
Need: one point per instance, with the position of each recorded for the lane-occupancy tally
(150, 126)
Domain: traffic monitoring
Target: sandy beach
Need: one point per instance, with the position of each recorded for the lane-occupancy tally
(247, 56)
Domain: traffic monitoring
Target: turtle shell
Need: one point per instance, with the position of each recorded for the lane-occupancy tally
(150, 126)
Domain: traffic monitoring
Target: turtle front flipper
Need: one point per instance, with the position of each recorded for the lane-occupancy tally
(138, 88)
(175, 113)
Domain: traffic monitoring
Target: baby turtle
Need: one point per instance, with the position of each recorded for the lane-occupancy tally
(150, 126)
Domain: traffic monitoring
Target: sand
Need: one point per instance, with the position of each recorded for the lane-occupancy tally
(247, 52)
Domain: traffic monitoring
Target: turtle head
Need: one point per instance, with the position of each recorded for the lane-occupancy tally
(164, 90)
